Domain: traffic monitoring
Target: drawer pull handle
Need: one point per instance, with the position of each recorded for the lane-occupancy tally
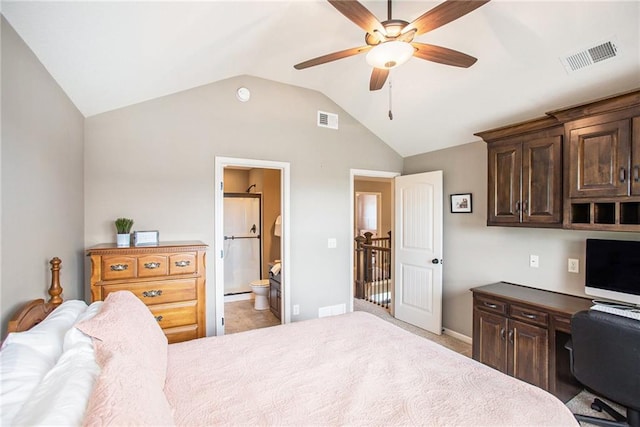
(490, 305)
(502, 334)
(529, 316)
(119, 267)
(511, 336)
(183, 263)
(623, 174)
(152, 293)
(152, 265)
(158, 319)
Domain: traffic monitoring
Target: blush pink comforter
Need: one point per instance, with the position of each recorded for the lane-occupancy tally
(353, 369)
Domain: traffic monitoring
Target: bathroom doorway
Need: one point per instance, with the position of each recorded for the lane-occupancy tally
(251, 240)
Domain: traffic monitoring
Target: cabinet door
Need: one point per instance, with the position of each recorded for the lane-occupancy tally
(505, 167)
(542, 180)
(529, 358)
(635, 158)
(489, 341)
(599, 160)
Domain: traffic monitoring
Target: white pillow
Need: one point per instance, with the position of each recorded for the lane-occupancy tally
(21, 370)
(62, 395)
(47, 336)
(74, 335)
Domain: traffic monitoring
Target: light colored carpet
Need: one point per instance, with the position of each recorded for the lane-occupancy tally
(581, 404)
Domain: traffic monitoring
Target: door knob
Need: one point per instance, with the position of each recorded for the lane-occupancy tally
(435, 261)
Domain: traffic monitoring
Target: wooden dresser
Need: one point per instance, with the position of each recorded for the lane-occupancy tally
(522, 332)
(169, 278)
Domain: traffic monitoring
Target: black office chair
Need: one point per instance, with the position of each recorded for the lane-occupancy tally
(605, 358)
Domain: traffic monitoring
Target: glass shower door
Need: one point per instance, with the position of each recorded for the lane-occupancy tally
(242, 248)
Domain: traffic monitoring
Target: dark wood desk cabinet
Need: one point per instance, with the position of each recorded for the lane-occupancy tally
(522, 331)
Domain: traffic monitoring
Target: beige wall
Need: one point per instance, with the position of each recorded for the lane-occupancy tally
(42, 180)
(154, 162)
(475, 255)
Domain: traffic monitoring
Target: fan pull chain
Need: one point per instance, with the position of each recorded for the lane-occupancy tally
(390, 87)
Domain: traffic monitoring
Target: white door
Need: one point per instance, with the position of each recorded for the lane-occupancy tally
(418, 250)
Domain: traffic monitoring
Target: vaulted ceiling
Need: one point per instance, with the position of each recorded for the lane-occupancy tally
(107, 55)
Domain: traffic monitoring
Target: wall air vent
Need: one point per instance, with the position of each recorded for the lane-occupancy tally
(327, 120)
(590, 56)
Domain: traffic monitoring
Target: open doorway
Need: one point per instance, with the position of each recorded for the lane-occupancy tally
(372, 216)
(251, 245)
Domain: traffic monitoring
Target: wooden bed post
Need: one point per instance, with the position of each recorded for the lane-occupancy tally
(55, 290)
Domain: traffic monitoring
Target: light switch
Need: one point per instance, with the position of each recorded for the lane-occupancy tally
(332, 243)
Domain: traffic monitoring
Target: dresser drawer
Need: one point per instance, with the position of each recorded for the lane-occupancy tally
(119, 267)
(491, 305)
(158, 292)
(153, 265)
(182, 263)
(175, 314)
(181, 333)
(529, 315)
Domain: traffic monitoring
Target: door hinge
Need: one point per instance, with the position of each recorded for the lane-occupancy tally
(221, 254)
(223, 321)
(221, 185)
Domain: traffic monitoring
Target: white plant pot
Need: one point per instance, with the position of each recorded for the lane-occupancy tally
(123, 240)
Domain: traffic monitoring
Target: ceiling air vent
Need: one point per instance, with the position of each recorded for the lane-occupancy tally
(590, 56)
(327, 120)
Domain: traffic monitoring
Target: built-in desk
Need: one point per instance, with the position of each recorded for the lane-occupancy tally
(522, 331)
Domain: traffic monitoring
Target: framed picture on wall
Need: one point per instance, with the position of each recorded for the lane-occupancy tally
(461, 203)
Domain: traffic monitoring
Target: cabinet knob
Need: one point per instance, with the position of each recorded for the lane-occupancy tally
(623, 174)
(158, 319)
(435, 261)
(184, 263)
(636, 173)
(490, 305)
(528, 316)
(152, 265)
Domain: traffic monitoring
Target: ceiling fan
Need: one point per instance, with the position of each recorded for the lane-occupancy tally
(390, 43)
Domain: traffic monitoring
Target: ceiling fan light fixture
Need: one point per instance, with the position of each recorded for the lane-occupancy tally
(390, 54)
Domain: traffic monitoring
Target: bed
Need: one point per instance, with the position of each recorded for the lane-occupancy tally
(109, 364)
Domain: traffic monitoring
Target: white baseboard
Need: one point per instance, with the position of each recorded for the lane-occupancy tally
(238, 297)
(457, 335)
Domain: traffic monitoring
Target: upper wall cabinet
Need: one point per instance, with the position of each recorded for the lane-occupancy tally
(525, 174)
(578, 167)
(602, 164)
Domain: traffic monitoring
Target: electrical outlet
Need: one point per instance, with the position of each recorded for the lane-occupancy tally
(573, 265)
(534, 261)
(296, 309)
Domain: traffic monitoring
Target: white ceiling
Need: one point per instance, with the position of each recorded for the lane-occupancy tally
(107, 55)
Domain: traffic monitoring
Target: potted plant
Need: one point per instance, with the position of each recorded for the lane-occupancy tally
(123, 228)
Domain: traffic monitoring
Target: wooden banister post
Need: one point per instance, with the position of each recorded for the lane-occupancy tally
(55, 290)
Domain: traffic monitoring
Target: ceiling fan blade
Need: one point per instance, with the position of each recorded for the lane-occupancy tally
(359, 15)
(442, 14)
(331, 57)
(378, 77)
(443, 55)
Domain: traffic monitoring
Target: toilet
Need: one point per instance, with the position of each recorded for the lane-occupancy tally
(260, 289)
